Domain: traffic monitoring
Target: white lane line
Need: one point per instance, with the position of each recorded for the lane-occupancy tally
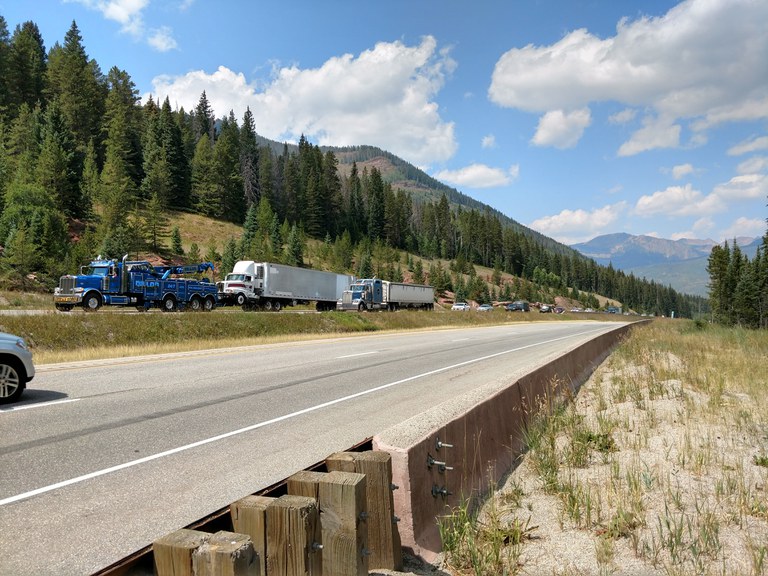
(358, 354)
(38, 405)
(461, 340)
(172, 451)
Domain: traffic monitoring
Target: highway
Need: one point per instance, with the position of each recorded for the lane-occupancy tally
(101, 458)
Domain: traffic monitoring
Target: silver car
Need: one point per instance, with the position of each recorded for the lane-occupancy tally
(16, 367)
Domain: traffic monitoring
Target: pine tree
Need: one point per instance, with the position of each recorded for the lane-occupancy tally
(26, 68)
(227, 171)
(156, 223)
(230, 257)
(172, 143)
(57, 164)
(249, 159)
(204, 120)
(176, 244)
(204, 191)
(294, 249)
(193, 256)
(80, 86)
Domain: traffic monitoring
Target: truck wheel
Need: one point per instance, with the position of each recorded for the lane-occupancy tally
(361, 307)
(91, 302)
(268, 305)
(276, 306)
(196, 304)
(209, 304)
(11, 380)
(169, 304)
(240, 299)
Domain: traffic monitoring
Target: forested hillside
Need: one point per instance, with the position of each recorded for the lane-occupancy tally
(86, 168)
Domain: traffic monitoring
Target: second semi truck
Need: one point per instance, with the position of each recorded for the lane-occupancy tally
(272, 286)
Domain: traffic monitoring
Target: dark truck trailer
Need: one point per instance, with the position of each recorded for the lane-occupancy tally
(375, 294)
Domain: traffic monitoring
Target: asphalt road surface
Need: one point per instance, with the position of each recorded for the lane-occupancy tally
(101, 458)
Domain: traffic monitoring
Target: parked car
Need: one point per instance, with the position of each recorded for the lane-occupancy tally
(16, 367)
(545, 308)
(559, 310)
(463, 306)
(485, 308)
(518, 306)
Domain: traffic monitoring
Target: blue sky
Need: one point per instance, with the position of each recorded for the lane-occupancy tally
(574, 117)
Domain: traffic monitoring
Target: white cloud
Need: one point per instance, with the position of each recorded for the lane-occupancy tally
(384, 97)
(479, 176)
(678, 201)
(681, 170)
(753, 165)
(743, 187)
(162, 40)
(747, 146)
(655, 133)
(702, 61)
(624, 117)
(562, 130)
(489, 141)
(700, 229)
(743, 227)
(574, 226)
(127, 13)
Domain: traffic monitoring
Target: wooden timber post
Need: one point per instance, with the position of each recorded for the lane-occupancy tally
(341, 499)
(173, 552)
(342, 508)
(293, 532)
(249, 516)
(226, 554)
(383, 536)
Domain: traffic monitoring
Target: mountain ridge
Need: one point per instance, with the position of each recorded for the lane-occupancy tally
(681, 264)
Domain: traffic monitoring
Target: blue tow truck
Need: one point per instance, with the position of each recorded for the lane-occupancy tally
(136, 283)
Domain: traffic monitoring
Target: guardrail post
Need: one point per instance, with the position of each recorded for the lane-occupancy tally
(382, 533)
(226, 554)
(173, 552)
(293, 532)
(249, 517)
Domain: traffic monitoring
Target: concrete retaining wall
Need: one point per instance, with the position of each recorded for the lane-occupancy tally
(486, 439)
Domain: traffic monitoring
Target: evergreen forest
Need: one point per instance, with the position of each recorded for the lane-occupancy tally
(86, 168)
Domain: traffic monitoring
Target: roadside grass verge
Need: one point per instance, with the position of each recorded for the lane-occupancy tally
(78, 335)
(659, 466)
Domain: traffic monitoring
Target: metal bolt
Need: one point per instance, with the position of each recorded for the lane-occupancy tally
(366, 552)
(394, 487)
(432, 462)
(440, 491)
(316, 546)
(363, 516)
(395, 519)
(443, 468)
(439, 444)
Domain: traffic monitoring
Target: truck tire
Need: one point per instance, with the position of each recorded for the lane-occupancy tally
(362, 307)
(240, 299)
(12, 379)
(196, 304)
(209, 304)
(277, 305)
(169, 304)
(91, 302)
(268, 305)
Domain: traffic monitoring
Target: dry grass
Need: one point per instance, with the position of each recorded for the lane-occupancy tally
(657, 467)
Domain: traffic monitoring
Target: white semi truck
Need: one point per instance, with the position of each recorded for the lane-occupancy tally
(376, 294)
(270, 286)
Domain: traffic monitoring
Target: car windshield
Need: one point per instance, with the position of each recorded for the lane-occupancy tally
(231, 277)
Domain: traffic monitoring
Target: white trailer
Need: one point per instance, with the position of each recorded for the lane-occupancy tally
(375, 294)
(273, 286)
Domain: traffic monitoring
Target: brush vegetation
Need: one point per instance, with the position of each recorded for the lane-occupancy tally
(656, 467)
